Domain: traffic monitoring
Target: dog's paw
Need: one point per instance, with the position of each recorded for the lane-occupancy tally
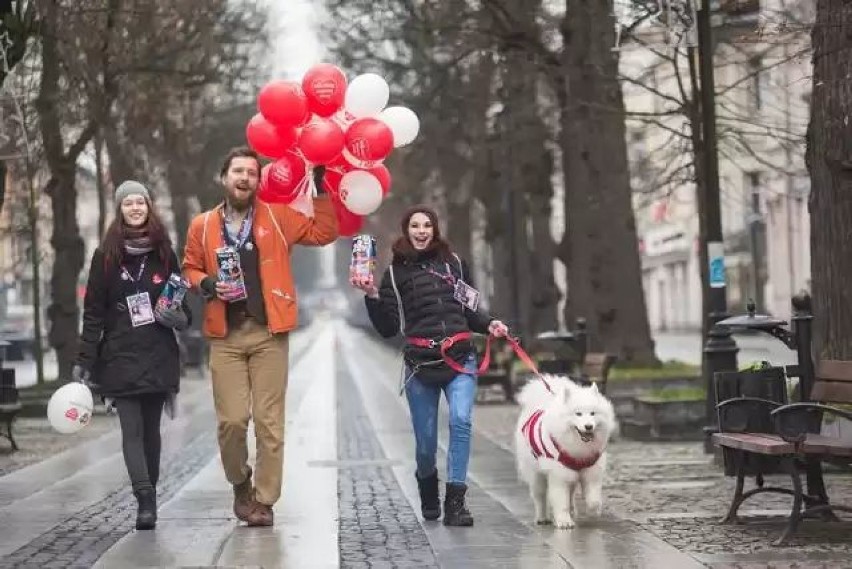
(564, 523)
(594, 508)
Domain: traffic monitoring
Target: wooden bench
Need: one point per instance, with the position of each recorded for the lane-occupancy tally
(10, 404)
(795, 442)
(596, 368)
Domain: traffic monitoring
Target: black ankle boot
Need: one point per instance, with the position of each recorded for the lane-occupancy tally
(146, 515)
(455, 511)
(430, 501)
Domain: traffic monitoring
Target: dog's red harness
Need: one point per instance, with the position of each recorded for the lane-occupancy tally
(532, 431)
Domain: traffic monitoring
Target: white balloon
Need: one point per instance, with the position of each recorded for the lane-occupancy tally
(403, 123)
(360, 192)
(367, 95)
(70, 408)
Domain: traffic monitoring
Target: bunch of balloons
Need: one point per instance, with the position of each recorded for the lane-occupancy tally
(346, 127)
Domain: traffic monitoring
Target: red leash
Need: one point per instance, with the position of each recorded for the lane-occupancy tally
(446, 343)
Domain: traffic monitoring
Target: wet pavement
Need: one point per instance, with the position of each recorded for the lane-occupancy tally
(350, 497)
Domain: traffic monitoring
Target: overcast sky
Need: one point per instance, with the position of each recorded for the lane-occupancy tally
(296, 45)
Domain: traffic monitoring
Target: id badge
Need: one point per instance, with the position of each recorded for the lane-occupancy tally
(466, 295)
(139, 306)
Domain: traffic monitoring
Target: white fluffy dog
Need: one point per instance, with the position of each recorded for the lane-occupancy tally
(560, 443)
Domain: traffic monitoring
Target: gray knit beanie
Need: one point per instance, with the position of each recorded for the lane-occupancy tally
(131, 188)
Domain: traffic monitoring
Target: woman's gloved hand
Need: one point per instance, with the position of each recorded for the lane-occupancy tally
(173, 318)
(82, 375)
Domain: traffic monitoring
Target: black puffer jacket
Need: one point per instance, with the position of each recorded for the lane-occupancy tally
(429, 310)
(125, 360)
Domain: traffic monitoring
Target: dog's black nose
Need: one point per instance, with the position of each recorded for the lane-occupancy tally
(589, 427)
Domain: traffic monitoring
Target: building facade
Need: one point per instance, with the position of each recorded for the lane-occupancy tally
(762, 78)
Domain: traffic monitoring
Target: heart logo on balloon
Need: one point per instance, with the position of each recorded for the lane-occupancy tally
(72, 413)
(360, 148)
(281, 175)
(324, 89)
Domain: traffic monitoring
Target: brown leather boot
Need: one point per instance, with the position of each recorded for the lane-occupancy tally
(261, 516)
(244, 503)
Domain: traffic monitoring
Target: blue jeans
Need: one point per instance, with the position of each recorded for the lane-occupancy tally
(423, 399)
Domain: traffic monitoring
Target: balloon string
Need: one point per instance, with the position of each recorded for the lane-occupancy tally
(304, 185)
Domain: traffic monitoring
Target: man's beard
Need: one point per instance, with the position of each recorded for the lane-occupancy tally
(239, 203)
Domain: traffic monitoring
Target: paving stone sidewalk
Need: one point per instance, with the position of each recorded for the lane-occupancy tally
(378, 526)
(674, 491)
(37, 440)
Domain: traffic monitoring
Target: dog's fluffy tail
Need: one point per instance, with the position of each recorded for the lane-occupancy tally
(536, 394)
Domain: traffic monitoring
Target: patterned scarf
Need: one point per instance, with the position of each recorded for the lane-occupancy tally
(137, 241)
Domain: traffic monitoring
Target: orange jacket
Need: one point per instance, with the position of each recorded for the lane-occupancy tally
(275, 229)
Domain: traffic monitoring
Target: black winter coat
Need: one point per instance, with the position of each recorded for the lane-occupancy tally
(429, 309)
(127, 360)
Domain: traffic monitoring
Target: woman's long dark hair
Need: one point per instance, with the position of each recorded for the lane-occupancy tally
(118, 232)
(404, 250)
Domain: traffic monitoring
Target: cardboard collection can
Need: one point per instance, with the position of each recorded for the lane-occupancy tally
(231, 271)
(173, 293)
(364, 254)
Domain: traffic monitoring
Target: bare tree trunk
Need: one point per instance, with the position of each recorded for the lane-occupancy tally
(492, 192)
(696, 136)
(67, 244)
(101, 184)
(602, 253)
(830, 166)
(176, 174)
(544, 294)
(121, 166)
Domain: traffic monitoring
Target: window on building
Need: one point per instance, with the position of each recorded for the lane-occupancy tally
(756, 77)
(753, 180)
(736, 7)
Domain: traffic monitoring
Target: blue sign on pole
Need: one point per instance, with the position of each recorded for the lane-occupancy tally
(716, 258)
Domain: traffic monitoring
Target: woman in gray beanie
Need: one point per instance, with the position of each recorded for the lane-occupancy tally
(128, 349)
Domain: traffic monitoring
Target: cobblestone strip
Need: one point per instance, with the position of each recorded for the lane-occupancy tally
(378, 527)
(80, 540)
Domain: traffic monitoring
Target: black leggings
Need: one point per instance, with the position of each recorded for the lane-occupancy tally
(139, 416)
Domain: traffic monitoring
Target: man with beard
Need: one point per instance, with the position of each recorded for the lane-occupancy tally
(247, 320)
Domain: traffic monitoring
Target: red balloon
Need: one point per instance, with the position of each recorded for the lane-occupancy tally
(264, 178)
(339, 163)
(369, 139)
(321, 141)
(267, 139)
(266, 196)
(283, 103)
(348, 223)
(284, 179)
(325, 89)
(383, 175)
(331, 182)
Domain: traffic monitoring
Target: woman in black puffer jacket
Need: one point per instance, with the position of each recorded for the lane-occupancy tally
(127, 353)
(423, 279)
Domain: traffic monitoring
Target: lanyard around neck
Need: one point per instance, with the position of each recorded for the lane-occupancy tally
(243, 233)
(125, 274)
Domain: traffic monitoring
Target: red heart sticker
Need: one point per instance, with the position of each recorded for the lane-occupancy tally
(324, 89)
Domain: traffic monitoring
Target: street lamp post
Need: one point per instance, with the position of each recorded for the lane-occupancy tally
(720, 352)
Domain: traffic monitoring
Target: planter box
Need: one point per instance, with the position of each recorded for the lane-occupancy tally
(656, 419)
